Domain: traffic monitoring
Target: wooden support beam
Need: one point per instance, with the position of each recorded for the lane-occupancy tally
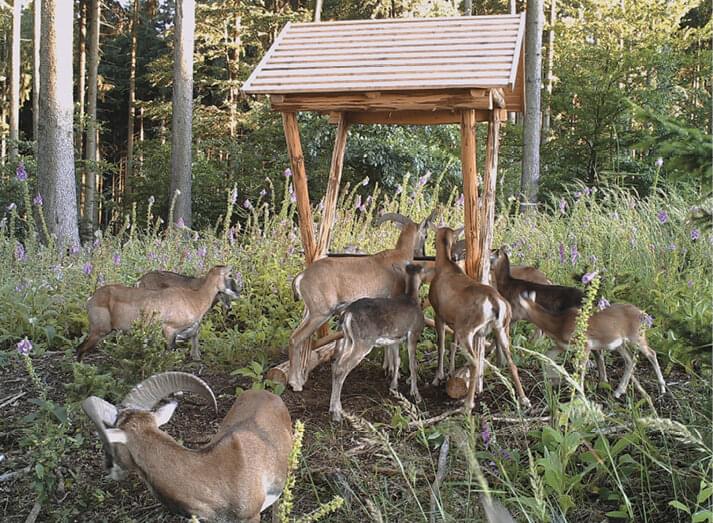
(498, 98)
(335, 176)
(425, 100)
(299, 179)
(487, 212)
(408, 117)
(470, 193)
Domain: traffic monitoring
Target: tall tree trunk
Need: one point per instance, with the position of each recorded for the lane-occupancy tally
(512, 116)
(546, 117)
(132, 102)
(468, 7)
(233, 59)
(81, 74)
(90, 207)
(36, 38)
(15, 80)
(533, 73)
(182, 118)
(318, 11)
(55, 159)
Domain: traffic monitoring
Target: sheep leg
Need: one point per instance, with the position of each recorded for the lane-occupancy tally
(601, 366)
(395, 364)
(299, 348)
(195, 350)
(93, 338)
(628, 370)
(413, 364)
(452, 367)
(441, 333)
(350, 354)
(474, 359)
(392, 362)
(651, 356)
(503, 344)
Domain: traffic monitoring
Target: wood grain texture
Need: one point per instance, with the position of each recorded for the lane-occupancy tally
(470, 191)
(389, 55)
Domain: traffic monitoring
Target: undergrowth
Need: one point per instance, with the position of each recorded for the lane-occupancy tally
(580, 455)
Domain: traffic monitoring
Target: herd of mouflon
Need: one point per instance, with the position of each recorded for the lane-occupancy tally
(243, 469)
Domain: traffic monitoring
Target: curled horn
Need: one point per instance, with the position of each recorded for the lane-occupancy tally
(102, 413)
(149, 392)
(394, 217)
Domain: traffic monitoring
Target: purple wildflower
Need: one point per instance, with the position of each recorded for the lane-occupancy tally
(247, 204)
(461, 200)
(287, 173)
(293, 196)
(659, 162)
(87, 269)
(365, 181)
(38, 200)
(648, 320)
(97, 243)
(695, 234)
(574, 254)
(563, 206)
(263, 193)
(231, 235)
(180, 223)
(588, 191)
(662, 216)
(24, 346)
(578, 195)
(234, 196)
(20, 254)
(561, 251)
(202, 251)
(117, 259)
(588, 277)
(690, 284)
(153, 256)
(671, 246)
(423, 179)
(603, 303)
(486, 435)
(21, 172)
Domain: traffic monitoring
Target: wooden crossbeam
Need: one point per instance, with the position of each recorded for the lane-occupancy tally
(426, 100)
(409, 117)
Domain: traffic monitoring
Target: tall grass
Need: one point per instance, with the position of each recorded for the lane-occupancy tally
(596, 458)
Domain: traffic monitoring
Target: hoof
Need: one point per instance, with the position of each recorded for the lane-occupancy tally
(525, 403)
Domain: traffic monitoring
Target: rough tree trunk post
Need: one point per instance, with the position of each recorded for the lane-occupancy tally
(36, 36)
(335, 176)
(15, 81)
(181, 123)
(318, 11)
(470, 191)
(55, 161)
(91, 151)
(132, 102)
(533, 79)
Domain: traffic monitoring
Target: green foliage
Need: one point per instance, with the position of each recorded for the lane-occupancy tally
(255, 372)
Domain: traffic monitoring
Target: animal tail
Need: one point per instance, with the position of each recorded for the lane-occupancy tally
(296, 287)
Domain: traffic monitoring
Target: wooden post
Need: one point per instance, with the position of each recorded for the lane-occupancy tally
(335, 176)
(487, 214)
(470, 192)
(299, 179)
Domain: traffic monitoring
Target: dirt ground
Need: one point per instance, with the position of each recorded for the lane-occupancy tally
(87, 495)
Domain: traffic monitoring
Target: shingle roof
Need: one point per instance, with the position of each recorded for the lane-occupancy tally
(393, 55)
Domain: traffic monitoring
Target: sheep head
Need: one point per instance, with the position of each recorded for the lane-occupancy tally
(136, 413)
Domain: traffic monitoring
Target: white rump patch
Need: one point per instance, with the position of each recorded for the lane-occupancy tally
(270, 497)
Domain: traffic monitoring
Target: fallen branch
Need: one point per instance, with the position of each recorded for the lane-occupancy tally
(34, 512)
(280, 372)
(436, 419)
(11, 399)
(440, 474)
(8, 476)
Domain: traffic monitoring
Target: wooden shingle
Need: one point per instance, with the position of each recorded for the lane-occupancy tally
(460, 55)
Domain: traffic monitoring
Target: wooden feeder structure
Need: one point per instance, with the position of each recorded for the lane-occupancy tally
(428, 71)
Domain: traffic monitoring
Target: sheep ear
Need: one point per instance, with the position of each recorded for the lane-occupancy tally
(163, 414)
(116, 436)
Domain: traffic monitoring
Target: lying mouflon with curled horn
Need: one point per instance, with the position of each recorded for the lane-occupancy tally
(157, 280)
(179, 310)
(237, 475)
